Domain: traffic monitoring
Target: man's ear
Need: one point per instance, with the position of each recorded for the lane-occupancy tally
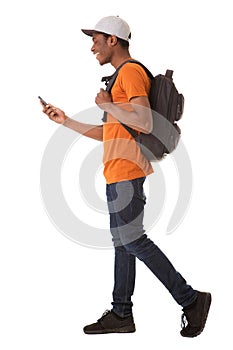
(112, 40)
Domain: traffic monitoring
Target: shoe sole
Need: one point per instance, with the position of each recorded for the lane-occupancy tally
(207, 304)
(115, 330)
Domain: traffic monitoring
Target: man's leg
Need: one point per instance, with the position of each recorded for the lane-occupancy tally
(145, 250)
(124, 282)
(124, 264)
(120, 318)
(195, 304)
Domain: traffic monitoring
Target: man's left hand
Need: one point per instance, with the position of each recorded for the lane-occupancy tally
(103, 98)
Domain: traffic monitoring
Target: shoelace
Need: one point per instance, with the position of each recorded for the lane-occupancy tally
(184, 321)
(106, 312)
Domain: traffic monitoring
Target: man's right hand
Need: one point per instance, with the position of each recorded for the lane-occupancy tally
(54, 113)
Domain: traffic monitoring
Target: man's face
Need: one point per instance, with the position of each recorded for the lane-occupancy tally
(101, 48)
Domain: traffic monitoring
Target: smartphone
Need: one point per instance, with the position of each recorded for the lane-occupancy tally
(43, 101)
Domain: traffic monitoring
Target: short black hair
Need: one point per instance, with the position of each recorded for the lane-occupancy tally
(124, 43)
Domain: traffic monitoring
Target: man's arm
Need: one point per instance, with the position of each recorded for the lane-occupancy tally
(88, 130)
(140, 116)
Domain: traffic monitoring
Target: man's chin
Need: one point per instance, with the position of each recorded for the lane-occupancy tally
(103, 62)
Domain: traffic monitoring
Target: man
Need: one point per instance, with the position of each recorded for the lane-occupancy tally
(125, 170)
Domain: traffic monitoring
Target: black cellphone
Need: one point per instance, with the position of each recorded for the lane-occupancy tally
(43, 101)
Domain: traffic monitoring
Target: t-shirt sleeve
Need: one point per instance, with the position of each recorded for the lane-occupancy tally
(134, 81)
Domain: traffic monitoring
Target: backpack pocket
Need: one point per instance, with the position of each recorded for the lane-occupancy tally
(180, 107)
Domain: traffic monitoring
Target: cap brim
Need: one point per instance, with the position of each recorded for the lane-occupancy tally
(88, 32)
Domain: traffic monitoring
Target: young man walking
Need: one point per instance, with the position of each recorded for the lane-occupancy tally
(125, 170)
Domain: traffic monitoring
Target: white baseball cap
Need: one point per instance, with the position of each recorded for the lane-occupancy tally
(112, 25)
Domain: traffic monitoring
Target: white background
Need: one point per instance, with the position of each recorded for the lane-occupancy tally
(52, 287)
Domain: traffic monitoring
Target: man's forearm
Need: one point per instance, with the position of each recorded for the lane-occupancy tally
(139, 118)
(88, 130)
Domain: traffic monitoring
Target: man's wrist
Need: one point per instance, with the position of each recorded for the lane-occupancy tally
(66, 121)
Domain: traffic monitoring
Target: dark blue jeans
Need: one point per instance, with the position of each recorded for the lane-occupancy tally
(126, 201)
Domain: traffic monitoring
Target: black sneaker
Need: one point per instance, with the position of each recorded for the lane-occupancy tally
(195, 315)
(111, 323)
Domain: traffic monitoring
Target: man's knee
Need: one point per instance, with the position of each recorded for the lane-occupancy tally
(134, 247)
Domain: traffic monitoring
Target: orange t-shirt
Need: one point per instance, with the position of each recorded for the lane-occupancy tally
(123, 159)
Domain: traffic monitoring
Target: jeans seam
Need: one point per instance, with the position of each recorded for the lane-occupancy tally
(126, 289)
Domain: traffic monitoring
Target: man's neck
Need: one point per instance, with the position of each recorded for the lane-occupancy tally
(118, 60)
